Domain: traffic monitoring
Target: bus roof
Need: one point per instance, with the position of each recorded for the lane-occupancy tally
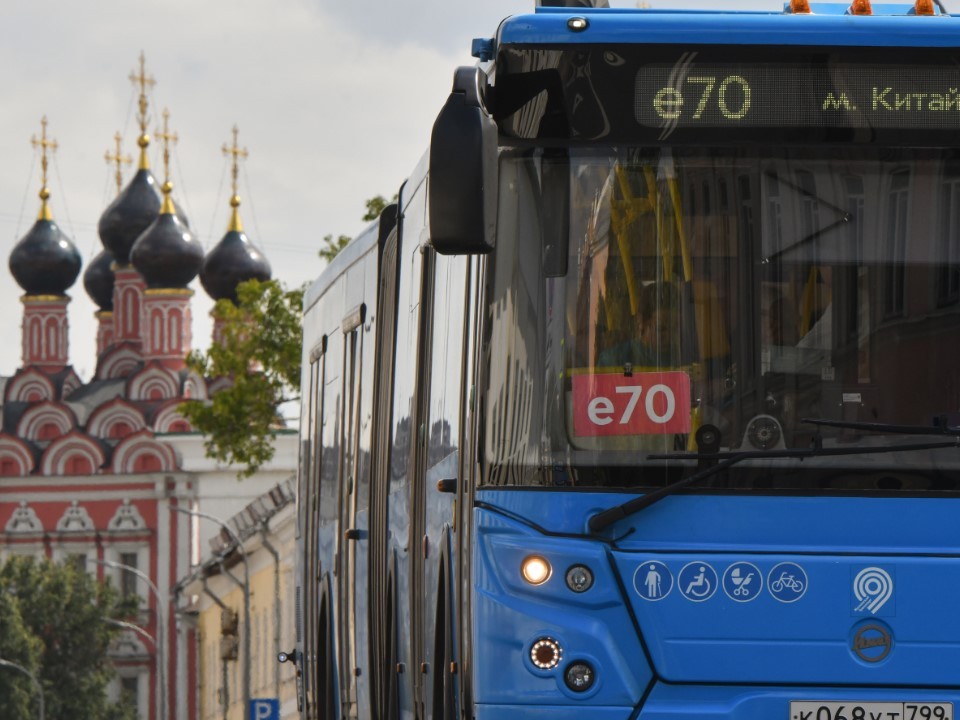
(827, 26)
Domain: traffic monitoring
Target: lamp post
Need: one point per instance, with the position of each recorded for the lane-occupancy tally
(140, 631)
(246, 598)
(33, 679)
(160, 642)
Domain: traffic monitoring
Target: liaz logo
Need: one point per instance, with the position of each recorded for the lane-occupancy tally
(872, 643)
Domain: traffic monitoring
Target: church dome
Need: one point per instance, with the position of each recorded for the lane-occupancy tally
(166, 255)
(98, 280)
(45, 261)
(130, 214)
(232, 261)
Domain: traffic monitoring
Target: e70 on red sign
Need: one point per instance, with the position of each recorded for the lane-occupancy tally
(654, 403)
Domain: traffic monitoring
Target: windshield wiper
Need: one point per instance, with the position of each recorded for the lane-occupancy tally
(606, 518)
(942, 429)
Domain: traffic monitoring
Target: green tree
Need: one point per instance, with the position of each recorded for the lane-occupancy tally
(260, 354)
(332, 247)
(54, 622)
(375, 206)
(19, 646)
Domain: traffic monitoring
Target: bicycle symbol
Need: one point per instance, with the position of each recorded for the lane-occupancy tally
(787, 582)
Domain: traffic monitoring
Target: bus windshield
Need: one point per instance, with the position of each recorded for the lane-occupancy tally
(639, 295)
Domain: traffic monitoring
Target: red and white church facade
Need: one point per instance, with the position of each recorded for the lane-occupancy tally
(94, 471)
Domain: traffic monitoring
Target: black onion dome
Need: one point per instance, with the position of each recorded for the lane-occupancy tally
(166, 254)
(232, 261)
(131, 213)
(45, 261)
(98, 280)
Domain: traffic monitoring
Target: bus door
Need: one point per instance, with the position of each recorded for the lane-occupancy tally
(308, 509)
(382, 609)
(350, 584)
(421, 595)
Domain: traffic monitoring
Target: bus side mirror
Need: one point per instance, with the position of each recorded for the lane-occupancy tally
(463, 170)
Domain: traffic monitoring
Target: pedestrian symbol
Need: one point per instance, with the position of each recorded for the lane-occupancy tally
(742, 582)
(697, 581)
(653, 580)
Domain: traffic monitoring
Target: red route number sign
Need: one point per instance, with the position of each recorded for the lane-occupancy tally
(653, 403)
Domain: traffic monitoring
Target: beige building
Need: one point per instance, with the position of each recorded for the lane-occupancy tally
(212, 604)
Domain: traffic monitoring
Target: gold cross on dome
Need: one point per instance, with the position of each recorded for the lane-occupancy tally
(237, 153)
(166, 137)
(119, 159)
(44, 144)
(144, 82)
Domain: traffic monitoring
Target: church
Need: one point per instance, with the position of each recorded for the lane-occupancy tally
(107, 472)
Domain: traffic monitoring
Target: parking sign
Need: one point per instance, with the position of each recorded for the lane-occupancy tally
(264, 709)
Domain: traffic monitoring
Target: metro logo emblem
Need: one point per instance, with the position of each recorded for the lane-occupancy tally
(654, 403)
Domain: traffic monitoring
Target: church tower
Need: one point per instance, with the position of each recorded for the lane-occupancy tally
(234, 259)
(45, 263)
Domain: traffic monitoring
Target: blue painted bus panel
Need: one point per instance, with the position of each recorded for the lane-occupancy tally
(723, 523)
(510, 615)
(733, 29)
(794, 618)
(739, 589)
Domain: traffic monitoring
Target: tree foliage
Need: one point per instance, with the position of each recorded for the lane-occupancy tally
(54, 622)
(375, 206)
(260, 354)
(331, 247)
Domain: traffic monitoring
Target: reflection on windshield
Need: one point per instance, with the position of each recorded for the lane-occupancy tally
(743, 291)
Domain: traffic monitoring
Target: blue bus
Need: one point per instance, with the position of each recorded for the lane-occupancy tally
(643, 400)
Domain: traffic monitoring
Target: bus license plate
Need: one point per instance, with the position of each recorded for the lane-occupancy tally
(803, 710)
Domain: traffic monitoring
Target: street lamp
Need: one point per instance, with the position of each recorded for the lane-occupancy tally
(246, 598)
(33, 679)
(160, 643)
(140, 631)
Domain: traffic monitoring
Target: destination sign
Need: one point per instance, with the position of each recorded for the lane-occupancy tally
(688, 94)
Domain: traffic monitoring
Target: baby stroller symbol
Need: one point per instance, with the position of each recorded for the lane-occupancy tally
(742, 582)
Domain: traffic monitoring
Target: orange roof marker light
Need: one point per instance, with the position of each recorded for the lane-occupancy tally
(924, 7)
(800, 7)
(861, 7)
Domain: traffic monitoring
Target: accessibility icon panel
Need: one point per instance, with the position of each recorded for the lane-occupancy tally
(742, 582)
(787, 582)
(697, 581)
(653, 580)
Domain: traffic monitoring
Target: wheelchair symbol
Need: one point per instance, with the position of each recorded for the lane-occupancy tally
(697, 581)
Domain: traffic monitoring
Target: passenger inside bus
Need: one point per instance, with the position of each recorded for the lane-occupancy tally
(655, 343)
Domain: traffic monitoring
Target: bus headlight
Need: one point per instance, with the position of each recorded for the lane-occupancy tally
(546, 654)
(535, 570)
(579, 676)
(579, 578)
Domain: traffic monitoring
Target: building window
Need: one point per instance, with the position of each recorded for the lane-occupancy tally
(948, 270)
(130, 692)
(128, 579)
(76, 560)
(898, 200)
